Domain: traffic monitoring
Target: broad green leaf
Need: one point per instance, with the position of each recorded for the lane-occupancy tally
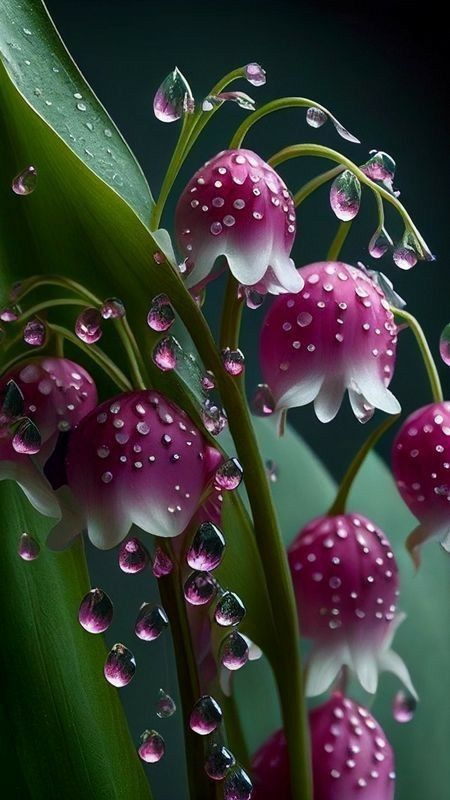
(42, 70)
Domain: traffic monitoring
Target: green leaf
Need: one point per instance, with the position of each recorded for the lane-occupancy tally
(43, 72)
(62, 721)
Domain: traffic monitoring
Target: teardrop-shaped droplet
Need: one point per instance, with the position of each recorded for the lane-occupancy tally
(208, 381)
(165, 354)
(200, 588)
(28, 548)
(150, 622)
(25, 182)
(343, 132)
(206, 550)
(234, 651)
(380, 167)
(152, 747)
(120, 666)
(173, 98)
(444, 345)
(9, 315)
(263, 403)
(214, 418)
(165, 705)
(255, 74)
(96, 611)
(404, 257)
(161, 315)
(315, 117)
(403, 707)
(112, 308)
(26, 439)
(88, 326)
(345, 196)
(230, 610)
(253, 299)
(133, 556)
(218, 761)
(243, 100)
(237, 785)
(233, 361)
(12, 401)
(34, 333)
(162, 564)
(229, 475)
(272, 470)
(206, 715)
(380, 243)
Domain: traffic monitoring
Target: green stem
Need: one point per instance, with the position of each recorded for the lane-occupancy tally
(97, 355)
(315, 183)
(231, 315)
(428, 360)
(340, 501)
(131, 348)
(338, 241)
(54, 303)
(58, 280)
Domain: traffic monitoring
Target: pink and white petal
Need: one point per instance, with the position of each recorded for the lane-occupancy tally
(372, 387)
(393, 628)
(107, 526)
(324, 665)
(362, 410)
(302, 392)
(329, 399)
(389, 661)
(205, 259)
(248, 262)
(365, 666)
(71, 523)
(281, 277)
(33, 483)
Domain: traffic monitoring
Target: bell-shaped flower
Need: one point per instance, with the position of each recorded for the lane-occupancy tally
(345, 580)
(421, 467)
(135, 460)
(337, 334)
(237, 206)
(351, 756)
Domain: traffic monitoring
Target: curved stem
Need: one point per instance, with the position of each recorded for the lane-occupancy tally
(315, 183)
(428, 360)
(58, 280)
(54, 303)
(131, 348)
(338, 241)
(340, 501)
(101, 359)
(230, 325)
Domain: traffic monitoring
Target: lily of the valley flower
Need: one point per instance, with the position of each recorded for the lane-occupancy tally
(237, 206)
(337, 334)
(346, 585)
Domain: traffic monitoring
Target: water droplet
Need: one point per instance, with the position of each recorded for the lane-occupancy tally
(214, 418)
(150, 622)
(315, 117)
(34, 333)
(206, 715)
(133, 556)
(28, 548)
(229, 475)
(444, 345)
(27, 32)
(81, 106)
(199, 588)
(161, 315)
(380, 167)
(25, 182)
(120, 665)
(165, 705)
(404, 257)
(234, 651)
(165, 353)
(243, 100)
(26, 439)
(255, 74)
(403, 707)
(112, 308)
(380, 243)
(229, 610)
(152, 748)
(206, 550)
(162, 564)
(272, 470)
(208, 381)
(173, 98)
(9, 315)
(88, 326)
(263, 403)
(345, 196)
(218, 761)
(304, 319)
(96, 611)
(233, 361)
(237, 785)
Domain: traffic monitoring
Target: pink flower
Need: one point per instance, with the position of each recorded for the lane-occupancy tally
(421, 467)
(238, 207)
(351, 756)
(135, 460)
(337, 334)
(346, 585)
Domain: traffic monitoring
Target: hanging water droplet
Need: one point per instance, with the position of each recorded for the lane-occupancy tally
(9, 315)
(263, 403)
(206, 715)
(162, 564)
(206, 550)
(28, 548)
(173, 98)
(234, 651)
(96, 611)
(315, 117)
(380, 167)
(26, 439)
(152, 748)
(12, 402)
(88, 326)
(233, 361)
(214, 418)
(255, 74)
(237, 785)
(34, 333)
(229, 610)
(165, 354)
(380, 243)
(404, 257)
(218, 761)
(444, 345)
(112, 308)
(120, 665)
(208, 381)
(199, 588)
(161, 315)
(253, 299)
(150, 622)
(403, 707)
(165, 705)
(25, 182)
(229, 475)
(133, 556)
(345, 196)
(349, 137)
(272, 470)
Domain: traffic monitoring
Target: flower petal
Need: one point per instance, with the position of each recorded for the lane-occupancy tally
(389, 661)
(371, 386)
(329, 398)
(33, 484)
(324, 665)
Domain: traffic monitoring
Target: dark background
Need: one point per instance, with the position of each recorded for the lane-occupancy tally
(382, 68)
